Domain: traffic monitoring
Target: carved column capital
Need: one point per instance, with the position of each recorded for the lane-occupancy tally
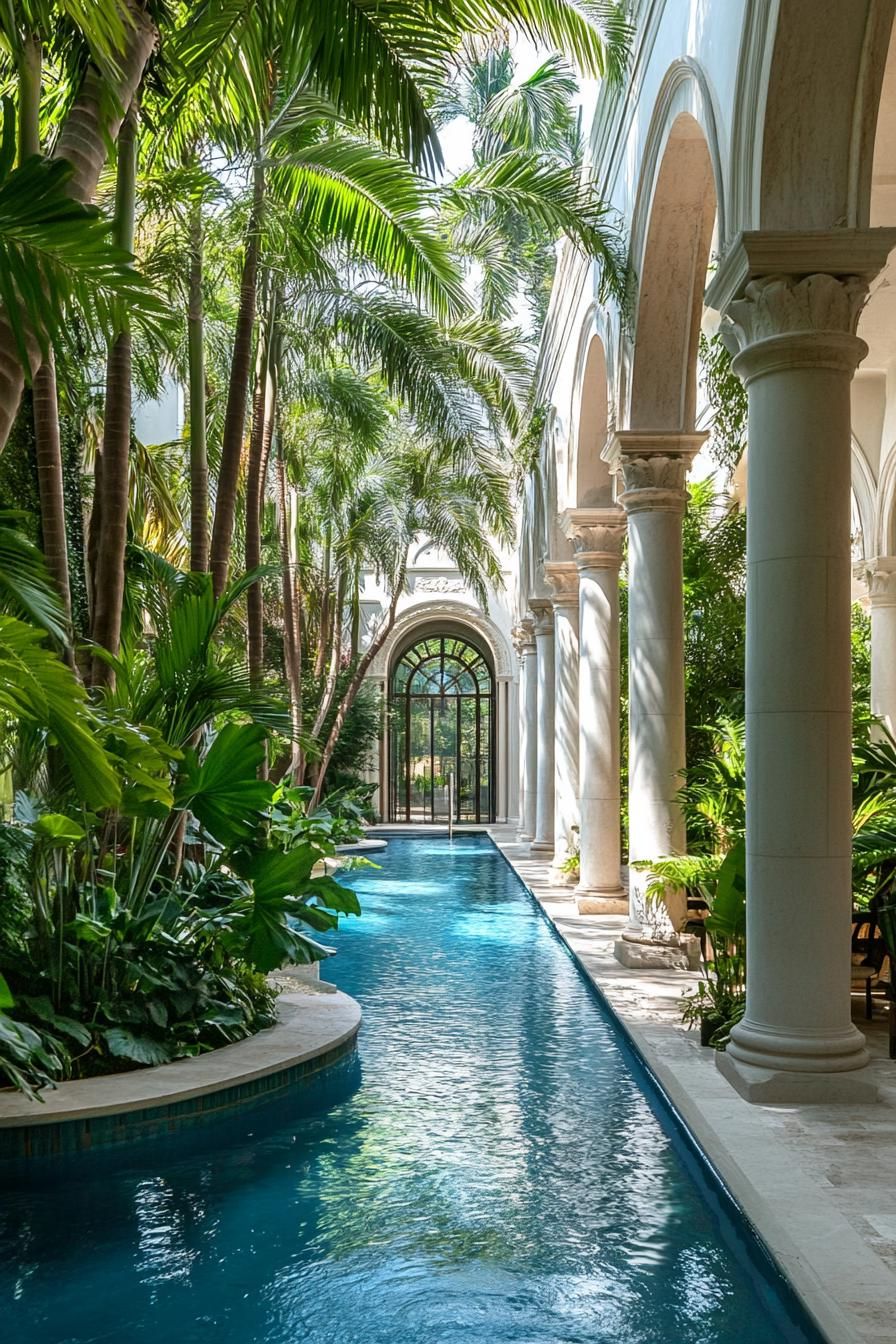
(523, 636)
(597, 536)
(880, 575)
(777, 305)
(793, 300)
(543, 611)
(654, 466)
(787, 322)
(563, 577)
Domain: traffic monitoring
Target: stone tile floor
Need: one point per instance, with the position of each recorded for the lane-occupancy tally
(818, 1181)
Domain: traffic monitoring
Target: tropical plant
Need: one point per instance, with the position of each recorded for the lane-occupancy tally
(718, 1001)
(130, 950)
(527, 186)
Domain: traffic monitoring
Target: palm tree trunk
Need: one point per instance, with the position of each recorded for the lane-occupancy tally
(237, 395)
(323, 641)
(292, 635)
(93, 122)
(51, 489)
(329, 690)
(356, 614)
(351, 691)
(263, 411)
(198, 433)
(94, 532)
(48, 450)
(30, 73)
(112, 487)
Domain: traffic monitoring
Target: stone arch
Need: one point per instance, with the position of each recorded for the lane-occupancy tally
(817, 121)
(673, 232)
(589, 482)
(884, 533)
(415, 621)
(864, 490)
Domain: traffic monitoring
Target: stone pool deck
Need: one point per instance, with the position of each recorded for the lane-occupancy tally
(817, 1181)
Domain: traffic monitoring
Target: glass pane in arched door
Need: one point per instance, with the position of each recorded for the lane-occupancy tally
(442, 729)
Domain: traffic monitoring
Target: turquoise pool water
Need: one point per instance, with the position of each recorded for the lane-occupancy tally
(494, 1172)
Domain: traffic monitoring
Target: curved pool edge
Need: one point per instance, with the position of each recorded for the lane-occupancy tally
(719, 1166)
(315, 1032)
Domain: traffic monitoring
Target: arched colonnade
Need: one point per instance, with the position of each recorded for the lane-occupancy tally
(753, 160)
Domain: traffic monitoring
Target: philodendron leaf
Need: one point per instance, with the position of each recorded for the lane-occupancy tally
(6, 998)
(322, 921)
(224, 790)
(275, 874)
(334, 895)
(58, 830)
(40, 1006)
(139, 1049)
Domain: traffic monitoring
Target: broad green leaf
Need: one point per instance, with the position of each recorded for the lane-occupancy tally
(334, 896)
(140, 1049)
(224, 791)
(275, 875)
(58, 830)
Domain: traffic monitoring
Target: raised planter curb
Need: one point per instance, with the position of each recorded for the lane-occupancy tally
(315, 1032)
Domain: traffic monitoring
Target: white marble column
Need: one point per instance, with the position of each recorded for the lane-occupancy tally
(563, 578)
(881, 574)
(598, 535)
(524, 643)
(501, 728)
(798, 351)
(513, 761)
(543, 842)
(654, 468)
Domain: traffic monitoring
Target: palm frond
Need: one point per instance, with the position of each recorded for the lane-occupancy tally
(376, 206)
(26, 588)
(556, 197)
(529, 114)
(37, 688)
(57, 260)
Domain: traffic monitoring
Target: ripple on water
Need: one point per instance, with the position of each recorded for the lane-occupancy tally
(498, 1175)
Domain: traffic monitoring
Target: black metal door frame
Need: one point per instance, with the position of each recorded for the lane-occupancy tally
(402, 786)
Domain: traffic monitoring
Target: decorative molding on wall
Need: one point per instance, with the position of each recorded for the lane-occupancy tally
(450, 612)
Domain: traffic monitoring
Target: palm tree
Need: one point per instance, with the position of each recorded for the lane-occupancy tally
(120, 38)
(527, 186)
(272, 60)
(419, 487)
(349, 356)
(348, 194)
(113, 461)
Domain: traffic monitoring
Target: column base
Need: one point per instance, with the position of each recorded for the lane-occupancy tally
(525, 838)
(783, 1086)
(541, 848)
(645, 954)
(602, 900)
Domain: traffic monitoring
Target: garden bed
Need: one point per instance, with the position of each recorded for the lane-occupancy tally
(314, 1032)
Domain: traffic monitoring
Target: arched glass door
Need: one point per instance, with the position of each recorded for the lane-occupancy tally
(442, 724)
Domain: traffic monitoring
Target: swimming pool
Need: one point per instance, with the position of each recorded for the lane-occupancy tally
(496, 1172)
